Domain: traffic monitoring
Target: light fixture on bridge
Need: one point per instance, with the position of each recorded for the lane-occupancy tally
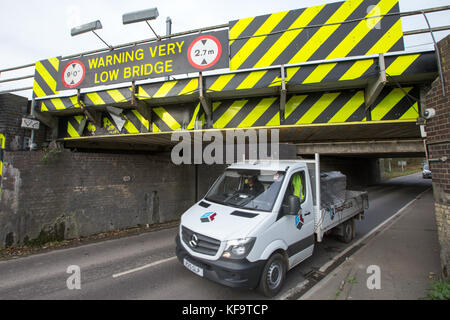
(140, 16)
(89, 27)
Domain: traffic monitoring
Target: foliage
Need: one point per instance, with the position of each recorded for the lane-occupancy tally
(440, 291)
(50, 155)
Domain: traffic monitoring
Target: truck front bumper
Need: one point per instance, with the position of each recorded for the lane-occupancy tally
(232, 273)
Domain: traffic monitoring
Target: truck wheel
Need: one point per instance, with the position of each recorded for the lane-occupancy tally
(348, 227)
(273, 275)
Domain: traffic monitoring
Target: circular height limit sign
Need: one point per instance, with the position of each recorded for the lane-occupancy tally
(204, 52)
(73, 74)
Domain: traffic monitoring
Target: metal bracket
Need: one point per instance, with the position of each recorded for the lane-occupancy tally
(49, 121)
(94, 116)
(205, 101)
(442, 159)
(144, 109)
(374, 88)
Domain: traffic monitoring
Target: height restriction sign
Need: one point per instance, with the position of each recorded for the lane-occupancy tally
(73, 74)
(204, 52)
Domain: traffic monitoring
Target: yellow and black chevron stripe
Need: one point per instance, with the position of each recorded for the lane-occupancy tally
(316, 108)
(2, 147)
(261, 41)
(107, 97)
(45, 78)
(309, 75)
(79, 126)
(347, 106)
(168, 89)
(254, 112)
(306, 75)
(165, 119)
(174, 117)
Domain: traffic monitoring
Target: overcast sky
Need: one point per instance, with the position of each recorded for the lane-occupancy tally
(36, 30)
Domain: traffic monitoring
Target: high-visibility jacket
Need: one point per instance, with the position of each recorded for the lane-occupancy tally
(298, 186)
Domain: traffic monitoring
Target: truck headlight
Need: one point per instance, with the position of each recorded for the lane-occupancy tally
(238, 249)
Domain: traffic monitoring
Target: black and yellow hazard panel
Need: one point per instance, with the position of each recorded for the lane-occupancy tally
(135, 122)
(164, 119)
(396, 104)
(304, 75)
(45, 78)
(174, 117)
(324, 72)
(349, 106)
(168, 89)
(254, 112)
(243, 81)
(73, 127)
(410, 64)
(296, 36)
(107, 97)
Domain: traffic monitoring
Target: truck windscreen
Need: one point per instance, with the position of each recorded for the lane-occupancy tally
(247, 189)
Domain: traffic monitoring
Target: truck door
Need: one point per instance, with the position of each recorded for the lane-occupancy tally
(299, 228)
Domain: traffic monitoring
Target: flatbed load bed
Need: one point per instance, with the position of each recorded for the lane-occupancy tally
(355, 204)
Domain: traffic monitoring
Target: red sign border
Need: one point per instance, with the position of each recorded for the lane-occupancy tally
(219, 45)
(64, 71)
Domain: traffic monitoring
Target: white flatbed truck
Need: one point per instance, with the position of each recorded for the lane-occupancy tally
(261, 219)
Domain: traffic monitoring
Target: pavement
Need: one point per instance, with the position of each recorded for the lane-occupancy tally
(395, 262)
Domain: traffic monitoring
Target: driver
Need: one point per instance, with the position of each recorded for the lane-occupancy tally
(253, 186)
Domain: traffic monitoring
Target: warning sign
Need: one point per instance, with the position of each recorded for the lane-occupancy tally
(73, 74)
(181, 55)
(204, 52)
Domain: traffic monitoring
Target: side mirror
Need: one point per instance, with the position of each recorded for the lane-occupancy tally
(294, 205)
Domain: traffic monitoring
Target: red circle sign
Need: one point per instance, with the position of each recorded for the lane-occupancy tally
(204, 52)
(73, 74)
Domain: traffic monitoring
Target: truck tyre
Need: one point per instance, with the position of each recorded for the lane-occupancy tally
(348, 231)
(273, 275)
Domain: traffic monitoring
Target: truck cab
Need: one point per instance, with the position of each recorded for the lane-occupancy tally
(255, 223)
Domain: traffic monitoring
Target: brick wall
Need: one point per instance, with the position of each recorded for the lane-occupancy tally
(69, 195)
(438, 134)
(12, 110)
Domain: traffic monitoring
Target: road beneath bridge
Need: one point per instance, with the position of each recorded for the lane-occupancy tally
(145, 267)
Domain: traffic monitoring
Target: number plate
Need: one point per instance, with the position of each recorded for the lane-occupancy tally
(193, 268)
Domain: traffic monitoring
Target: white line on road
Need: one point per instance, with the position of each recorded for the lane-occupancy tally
(143, 267)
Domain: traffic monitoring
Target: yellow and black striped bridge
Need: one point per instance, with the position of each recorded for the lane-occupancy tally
(319, 75)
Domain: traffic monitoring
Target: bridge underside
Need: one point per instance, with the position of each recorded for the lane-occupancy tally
(337, 107)
(373, 138)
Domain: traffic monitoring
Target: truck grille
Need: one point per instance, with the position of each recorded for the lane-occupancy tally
(200, 243)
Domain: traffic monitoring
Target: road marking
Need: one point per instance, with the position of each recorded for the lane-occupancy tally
(144, 267)
(323, 281)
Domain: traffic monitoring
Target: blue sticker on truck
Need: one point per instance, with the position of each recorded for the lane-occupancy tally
(299, 222)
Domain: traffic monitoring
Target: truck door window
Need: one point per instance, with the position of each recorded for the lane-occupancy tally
(296, 187)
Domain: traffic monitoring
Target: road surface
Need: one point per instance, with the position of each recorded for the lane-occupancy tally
(145, 267)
